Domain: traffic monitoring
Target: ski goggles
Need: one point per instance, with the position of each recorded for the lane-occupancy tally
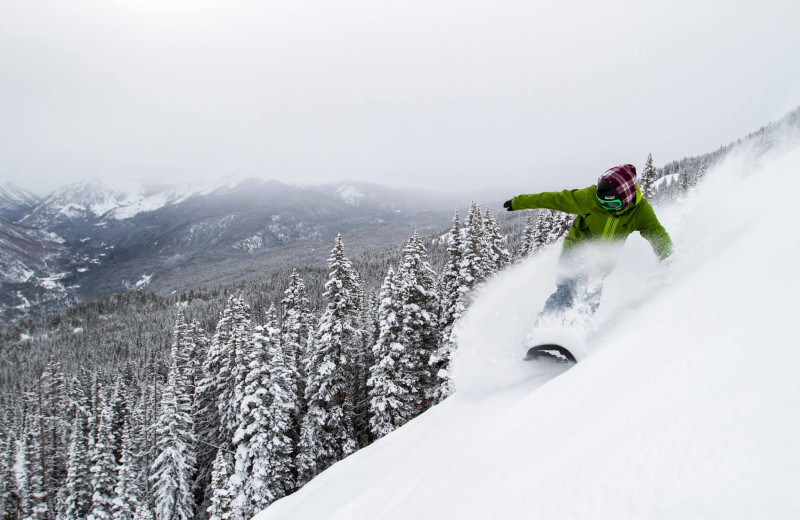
(611, 205)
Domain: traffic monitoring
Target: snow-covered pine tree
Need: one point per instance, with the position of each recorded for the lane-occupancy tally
(389, 382)
(78, 485)
(143, 512)
(420, 314)
(327, 431)
(224, 369)
(540, 233)
(277, 471)
(24, 456)
(221, 507)
(144, 416)
(37, 463)
(263, 460)
(9, 494)
(528, 242)
(558, 225)
(363, 360)
(126, 501)
(190, 344)
(648, 178)
(498, 252)
(296, 324)
(566, 221)
(701, 173)
(474, 264)
(452, 304)
(174, 466)
(684, 181)
(54, 431)
(253, 423)
(182, 350)
(103, 464)
(119, 413)
(204, 411)
(199, 351)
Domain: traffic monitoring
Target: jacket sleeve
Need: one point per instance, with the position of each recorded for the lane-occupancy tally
(568, 201)
(651, 229)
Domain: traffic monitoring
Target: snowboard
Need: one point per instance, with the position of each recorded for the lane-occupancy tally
(551, 352)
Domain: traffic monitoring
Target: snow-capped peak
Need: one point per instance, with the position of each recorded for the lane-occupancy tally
(86, 199)
(350, 194)
(11, 194)
(15, 202)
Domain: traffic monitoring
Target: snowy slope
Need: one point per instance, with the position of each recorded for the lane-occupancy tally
(685, 405)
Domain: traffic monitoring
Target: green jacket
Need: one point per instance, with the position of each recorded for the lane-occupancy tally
(596, 223)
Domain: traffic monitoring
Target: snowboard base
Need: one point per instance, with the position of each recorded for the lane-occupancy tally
(550, 352)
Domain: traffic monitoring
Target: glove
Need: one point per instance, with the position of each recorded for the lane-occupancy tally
(507, 205)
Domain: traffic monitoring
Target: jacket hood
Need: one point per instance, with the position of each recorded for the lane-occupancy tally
(623, 179)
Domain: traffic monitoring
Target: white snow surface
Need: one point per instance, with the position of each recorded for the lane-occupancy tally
(684, 404)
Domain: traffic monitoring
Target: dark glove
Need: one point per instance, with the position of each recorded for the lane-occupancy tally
(507, 205)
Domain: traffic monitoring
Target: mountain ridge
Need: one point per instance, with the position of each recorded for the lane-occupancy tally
(115, 234)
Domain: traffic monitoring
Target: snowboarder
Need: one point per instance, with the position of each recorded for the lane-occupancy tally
(606, 213)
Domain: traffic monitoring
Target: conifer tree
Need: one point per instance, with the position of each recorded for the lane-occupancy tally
(276, 471)
(249, 440)
(221, 498)
(204, 411)
(528, 242)
(9, 493)
(453, 302)
(559, 223)
(540, 233)
(224, 369)
(648, 179)
(701, 173)
(174, 466)
(31, 470)
(363, 360)
(389, 382)
(420, 313)
(143, 418)
(54, 428)
(78, 501)
(264, 448)
(182, 350)
(684, 182)
(143, 513)
(103, 463)
(498, 253)
(474, 264)
(296, 322)
(327, 431)
(118, 410)
(23, 457)
(127, 492)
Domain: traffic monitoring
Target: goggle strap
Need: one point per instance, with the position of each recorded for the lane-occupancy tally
(607, 203)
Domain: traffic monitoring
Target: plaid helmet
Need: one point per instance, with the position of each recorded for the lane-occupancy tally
(616, 188)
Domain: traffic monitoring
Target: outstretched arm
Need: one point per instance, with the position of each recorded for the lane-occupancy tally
(568, 201)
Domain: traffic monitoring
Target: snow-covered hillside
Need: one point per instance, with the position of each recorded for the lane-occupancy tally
(684, 406)
(15, 202)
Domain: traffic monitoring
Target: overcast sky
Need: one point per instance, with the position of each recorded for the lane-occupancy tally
(429, 93)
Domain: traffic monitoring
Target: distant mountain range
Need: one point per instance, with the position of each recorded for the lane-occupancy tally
(95, 238)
